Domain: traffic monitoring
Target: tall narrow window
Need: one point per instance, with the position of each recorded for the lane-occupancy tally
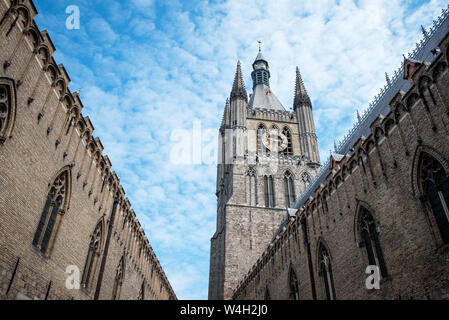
(251, 190)
(370, 238)
(325, 272)
(119, 275)
(261, 132)
(269, 192)
(289, 186)
(305, 181)
(294, 286)
(7, 108)
(435, 186)
(289, 150)
(92, 257)
(54, 208)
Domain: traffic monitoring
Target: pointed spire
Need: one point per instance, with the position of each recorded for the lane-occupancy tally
(301, 95)
(388, 79)
(359, 118)
(226, 115)
(238, 88)
(424, 32)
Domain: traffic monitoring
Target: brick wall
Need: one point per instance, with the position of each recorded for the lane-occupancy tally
(39, 145)
(381, 176)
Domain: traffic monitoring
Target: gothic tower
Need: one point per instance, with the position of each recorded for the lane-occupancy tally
(267, 157)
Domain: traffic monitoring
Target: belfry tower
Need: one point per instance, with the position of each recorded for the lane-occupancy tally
(267, 157)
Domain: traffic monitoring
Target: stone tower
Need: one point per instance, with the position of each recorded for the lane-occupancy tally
(267, 157)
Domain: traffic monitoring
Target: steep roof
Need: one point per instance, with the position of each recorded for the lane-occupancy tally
(264, 98)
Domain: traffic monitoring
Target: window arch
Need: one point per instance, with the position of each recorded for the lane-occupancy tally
(289, 150)
(325, 271)
(305, 181)
(270, 201)
(7, 108)
(251, 186)
(93, 255)
(119, 276)
(293, 283)
(289, 185)
(434, 184)
(370, 240)
(261, 132)
(55, 207)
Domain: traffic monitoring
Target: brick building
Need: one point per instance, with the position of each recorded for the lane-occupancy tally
(381, 201)
(61, 204)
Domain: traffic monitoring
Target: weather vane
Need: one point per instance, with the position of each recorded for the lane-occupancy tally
(260, 45)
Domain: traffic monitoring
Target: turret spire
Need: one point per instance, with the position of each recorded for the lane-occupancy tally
(301, 95)
(238, 88)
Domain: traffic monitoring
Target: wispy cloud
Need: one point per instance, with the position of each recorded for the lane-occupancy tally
(146, 68)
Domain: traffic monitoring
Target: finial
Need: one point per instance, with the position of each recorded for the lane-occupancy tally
(260, 45)
(388, 79)
(358, 116)
(424, 32)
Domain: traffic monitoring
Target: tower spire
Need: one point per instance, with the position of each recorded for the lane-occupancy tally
(301, 95)
(238, 88)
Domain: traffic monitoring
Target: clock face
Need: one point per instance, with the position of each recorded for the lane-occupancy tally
(275, 141)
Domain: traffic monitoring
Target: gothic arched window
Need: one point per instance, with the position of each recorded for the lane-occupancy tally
(261, 132)
(251, 186)
(370, 238)
(435, 186)
(93, 256)
(293, 283)
(269, 192)
(54, 209)
(305, 181)
(325, 272)
(7, 108)
(119, 275)
(289, 184)
(289, 150)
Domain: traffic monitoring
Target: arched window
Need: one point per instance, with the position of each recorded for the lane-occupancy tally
(435, 186)
(293, 283)
(289, 185)
(269, 192)
(305, 181)
(370, 238)
(251, 187)
(7, 108)
(289, 150)
(325, 272)
(261, 132)
(55, 207)
(119, 275)
(142, 291)
(92, 257)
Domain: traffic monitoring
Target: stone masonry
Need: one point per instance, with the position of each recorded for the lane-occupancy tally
(43, 134)
(320, 251)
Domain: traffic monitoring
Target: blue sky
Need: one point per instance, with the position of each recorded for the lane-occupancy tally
(149, 69)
